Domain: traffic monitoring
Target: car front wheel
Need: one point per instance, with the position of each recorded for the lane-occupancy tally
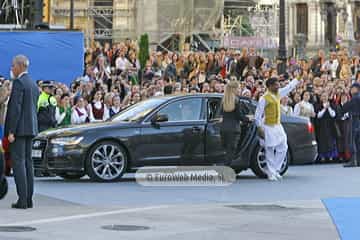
(106, 162)
(258, 162)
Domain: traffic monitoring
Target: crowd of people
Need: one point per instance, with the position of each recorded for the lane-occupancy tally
(113, 80)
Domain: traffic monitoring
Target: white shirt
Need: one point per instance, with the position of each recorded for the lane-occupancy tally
(260, 110)
(21, 74)
(332, 67)
(75, 118)
(122, 63)
(116, 109)
(330, 110)
(107, 70)
(98, 105)
(275, 134)
(59, 116)
(287, 110)
(304, 109)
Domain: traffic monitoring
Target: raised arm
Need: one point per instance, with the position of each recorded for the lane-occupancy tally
(288, 88)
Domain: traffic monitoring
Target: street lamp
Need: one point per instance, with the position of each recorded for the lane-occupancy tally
(71, 14)
(282, 39)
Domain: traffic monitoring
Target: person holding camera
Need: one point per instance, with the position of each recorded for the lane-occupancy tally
(331, 66)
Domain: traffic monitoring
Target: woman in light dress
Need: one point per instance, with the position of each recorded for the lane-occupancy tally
(305, 108)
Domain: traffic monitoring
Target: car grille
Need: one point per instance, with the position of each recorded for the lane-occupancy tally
(39, 145)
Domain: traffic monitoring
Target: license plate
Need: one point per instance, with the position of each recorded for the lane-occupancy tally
(36, 153)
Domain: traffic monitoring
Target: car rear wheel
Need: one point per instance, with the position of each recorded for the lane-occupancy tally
(258, 162)
(107, 161)
(71, 176)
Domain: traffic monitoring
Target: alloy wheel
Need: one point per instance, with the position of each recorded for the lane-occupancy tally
(108, 161)
(261, 161)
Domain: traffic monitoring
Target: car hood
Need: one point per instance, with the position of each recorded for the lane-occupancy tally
(79, 129)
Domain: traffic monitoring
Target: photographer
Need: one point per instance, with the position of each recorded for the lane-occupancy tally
(331, 66)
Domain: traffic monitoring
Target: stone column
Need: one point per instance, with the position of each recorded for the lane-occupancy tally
(312, 26)
(291, 23)
(322, 24)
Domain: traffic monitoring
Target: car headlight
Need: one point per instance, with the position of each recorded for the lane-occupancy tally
(67, 141)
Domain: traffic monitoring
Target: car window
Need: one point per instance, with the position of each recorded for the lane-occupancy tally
(138, 111)
(214, 108)
(183, 110)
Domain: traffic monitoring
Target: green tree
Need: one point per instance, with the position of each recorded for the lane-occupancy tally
(144, 50)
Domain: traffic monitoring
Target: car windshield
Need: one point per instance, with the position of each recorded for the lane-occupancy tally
(138, 111)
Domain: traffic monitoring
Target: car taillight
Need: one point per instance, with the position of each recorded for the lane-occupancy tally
(310, 127)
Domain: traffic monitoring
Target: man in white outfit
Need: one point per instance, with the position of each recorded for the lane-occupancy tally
(267, 118)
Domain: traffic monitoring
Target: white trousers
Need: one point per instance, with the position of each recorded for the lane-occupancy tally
(275, 157)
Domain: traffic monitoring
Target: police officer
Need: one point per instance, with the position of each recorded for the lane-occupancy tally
(353, 107)
(46, 107)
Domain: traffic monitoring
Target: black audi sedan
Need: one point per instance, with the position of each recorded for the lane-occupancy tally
(179, 130)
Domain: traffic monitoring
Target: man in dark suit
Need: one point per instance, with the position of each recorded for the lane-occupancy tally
(20, 128)
(353, 107)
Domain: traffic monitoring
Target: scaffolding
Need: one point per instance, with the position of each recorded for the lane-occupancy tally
(16, 13)
(115, 20)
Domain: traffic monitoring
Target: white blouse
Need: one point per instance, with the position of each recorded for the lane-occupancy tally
(98, 106)
(287, 110)
(304, 109)
(76, 118)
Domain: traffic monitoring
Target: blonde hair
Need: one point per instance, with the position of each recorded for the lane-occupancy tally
(230, 96)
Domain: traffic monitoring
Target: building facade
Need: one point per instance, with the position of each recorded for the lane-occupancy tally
(117, 20)
(323, 22)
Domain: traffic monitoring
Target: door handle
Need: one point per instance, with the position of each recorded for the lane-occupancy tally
(196, 129)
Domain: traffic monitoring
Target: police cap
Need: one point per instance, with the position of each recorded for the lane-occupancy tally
(47, 84)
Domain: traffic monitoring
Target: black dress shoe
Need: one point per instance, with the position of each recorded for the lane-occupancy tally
(18, 206)
(30, 204)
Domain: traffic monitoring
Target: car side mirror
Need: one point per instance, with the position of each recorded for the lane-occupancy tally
(158, 118)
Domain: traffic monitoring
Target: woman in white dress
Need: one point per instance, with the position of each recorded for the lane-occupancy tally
(98, 111)
(79, 113)
(285, 107)
(304, 108)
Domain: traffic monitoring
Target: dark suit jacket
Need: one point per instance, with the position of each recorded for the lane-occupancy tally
(21, 117)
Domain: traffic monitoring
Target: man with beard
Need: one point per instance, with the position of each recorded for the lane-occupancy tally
(267, 118)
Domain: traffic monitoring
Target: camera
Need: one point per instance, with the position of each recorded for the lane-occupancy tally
(309, 88)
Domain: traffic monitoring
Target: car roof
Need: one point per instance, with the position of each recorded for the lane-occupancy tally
(190, 95)
(201, 95)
